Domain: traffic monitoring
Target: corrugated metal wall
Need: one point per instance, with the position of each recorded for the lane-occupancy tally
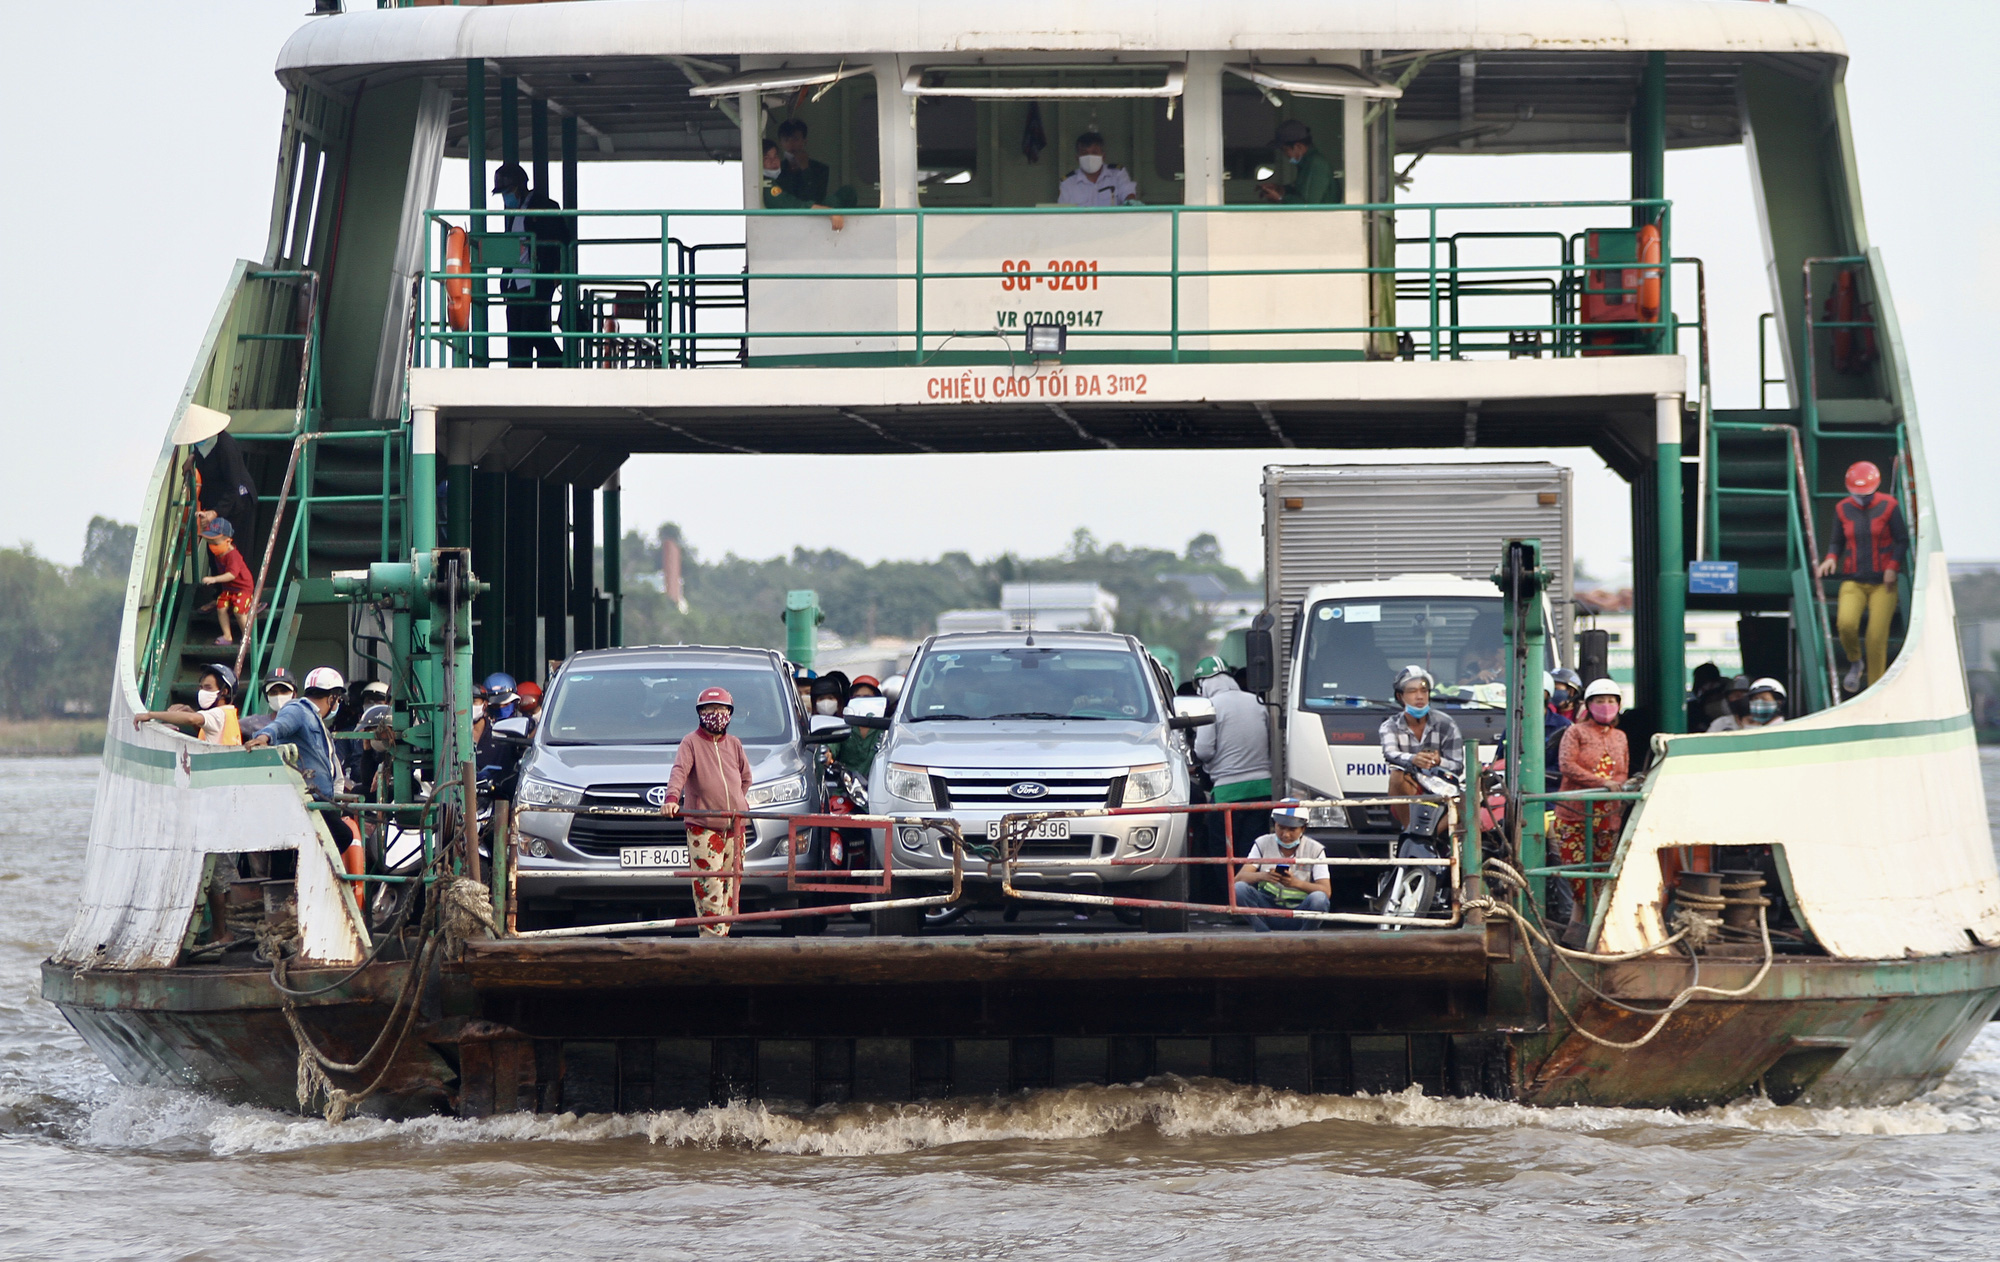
(1356, 522)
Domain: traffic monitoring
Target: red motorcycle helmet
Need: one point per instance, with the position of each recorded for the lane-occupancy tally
(715, 696)
(1863, 478)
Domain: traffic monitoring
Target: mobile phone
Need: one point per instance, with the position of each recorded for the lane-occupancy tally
(1282, 868)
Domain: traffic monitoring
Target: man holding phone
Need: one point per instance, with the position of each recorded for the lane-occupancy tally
(1282, 873)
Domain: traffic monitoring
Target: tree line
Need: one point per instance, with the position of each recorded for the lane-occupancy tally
(737, 600)
(59, 625)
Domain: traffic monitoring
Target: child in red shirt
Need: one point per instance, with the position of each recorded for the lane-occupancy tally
(234, 579)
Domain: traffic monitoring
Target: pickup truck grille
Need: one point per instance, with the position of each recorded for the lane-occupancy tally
(990, 791)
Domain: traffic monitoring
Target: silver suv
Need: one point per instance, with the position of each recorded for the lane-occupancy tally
(991, 723)
(613, 721)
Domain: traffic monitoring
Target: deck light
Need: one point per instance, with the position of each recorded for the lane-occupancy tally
(1046, 341)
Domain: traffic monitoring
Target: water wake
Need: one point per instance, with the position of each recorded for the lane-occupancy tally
(150, 1118)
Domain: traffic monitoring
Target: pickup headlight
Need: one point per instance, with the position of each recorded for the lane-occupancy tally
(1144, 784)
(535, 791)
(1320, 816)
(779, 792)
(911, 784)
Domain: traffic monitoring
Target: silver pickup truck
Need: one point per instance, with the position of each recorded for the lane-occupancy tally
(995, 723)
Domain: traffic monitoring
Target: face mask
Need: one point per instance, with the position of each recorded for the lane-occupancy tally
(1739, 706)
(826, 705)
(1417, 711)
(206, 445)
(1763, 711)
(511, 200)
(1605, 712)
(715, 722)
(278, 700)
(1090, 163)
(205, 698)
(771, 173)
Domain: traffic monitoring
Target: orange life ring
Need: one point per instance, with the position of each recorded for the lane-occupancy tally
(457, 293)
(1649, 279)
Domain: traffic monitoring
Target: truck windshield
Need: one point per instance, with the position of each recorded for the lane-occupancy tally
(1353, 649)
(1029, 683)
(654, 705)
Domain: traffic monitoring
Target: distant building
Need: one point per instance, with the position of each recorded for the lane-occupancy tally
(973, 620)
(1058, 606)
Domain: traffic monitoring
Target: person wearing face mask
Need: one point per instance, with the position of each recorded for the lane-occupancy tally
(1763, 706)
(1421, 743)
(212, 716)
(1095, 182)
(1565, 693)
(1313, 181)
(302, 725)
(1870, 540)
(857, 752)
(1735, 706)
(279, 688)
(1595, 755)
(1281, 872)
(528, 299)
(1235, 751)
(827, 695)
(711, 773)
(227, 489)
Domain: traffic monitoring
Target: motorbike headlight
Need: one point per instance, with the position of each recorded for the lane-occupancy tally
(911, 784)
(788, 789)
(1144, 784)
(535, 791)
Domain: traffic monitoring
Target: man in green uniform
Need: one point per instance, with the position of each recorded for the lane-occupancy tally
(1315, 182)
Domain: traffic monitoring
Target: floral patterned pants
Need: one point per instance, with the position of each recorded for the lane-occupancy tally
(713, 896)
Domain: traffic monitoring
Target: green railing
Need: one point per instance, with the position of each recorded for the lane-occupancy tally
(1592, 873)
(1437, 287)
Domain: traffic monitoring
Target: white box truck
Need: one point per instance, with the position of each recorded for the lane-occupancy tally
(1369, 568)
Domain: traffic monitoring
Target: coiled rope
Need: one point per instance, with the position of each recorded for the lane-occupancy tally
(1693, 925)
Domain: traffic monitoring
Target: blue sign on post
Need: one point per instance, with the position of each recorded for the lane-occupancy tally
(1711, 578)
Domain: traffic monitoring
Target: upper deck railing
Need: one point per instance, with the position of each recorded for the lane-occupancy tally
(1141, 284)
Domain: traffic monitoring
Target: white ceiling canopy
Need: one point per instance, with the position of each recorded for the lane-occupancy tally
(778, 79)
(1315, 80)
(1043, 83)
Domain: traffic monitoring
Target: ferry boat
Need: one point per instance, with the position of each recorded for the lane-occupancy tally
(435, 395)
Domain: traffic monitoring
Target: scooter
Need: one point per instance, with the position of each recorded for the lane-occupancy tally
(1411, 892)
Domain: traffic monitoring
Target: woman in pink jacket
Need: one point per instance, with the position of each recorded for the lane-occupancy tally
(711, 773)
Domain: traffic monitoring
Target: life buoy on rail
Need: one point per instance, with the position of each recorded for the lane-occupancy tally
(1649, 278)
(457, 293)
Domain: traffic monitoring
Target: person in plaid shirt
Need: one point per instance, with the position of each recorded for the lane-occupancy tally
(1420, 743)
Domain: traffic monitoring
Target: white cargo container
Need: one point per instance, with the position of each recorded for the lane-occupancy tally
(1369, 568)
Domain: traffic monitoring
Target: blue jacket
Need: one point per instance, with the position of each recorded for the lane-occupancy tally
(299, 725)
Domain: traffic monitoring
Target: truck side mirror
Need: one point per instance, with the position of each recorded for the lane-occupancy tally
(1260, 655)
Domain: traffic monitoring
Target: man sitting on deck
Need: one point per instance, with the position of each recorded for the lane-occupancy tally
(1281, 872)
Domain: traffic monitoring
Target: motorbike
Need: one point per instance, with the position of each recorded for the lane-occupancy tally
(1411, 893)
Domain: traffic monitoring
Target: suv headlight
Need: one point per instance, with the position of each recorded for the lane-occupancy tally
(790, 788)
(911, 784)
(1144, 784)
(535, 791)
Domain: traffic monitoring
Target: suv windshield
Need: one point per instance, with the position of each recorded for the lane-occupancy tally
(1029, 683)
(1355, 647)
(654, 705)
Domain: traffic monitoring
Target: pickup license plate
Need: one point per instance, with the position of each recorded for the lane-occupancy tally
(1045, 830)
(653, 856)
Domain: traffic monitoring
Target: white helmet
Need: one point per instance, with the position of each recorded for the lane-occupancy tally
(1768, 684)
(1413, 674)
(323, 679)
(1604, 688)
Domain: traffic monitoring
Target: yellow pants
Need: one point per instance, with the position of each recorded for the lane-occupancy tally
(1878, 600)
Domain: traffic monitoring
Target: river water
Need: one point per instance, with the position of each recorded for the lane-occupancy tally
(91, 1170)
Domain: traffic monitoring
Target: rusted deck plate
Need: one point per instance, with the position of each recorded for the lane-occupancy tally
(1443, 956)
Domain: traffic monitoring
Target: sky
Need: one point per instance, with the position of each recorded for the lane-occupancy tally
(144, 151)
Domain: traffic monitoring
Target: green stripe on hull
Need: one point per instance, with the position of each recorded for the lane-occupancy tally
(1789, 747)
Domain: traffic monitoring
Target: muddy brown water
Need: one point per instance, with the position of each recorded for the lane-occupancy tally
(92, 1170)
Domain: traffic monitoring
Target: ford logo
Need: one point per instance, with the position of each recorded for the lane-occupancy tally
(657, 795)
(1027, 790)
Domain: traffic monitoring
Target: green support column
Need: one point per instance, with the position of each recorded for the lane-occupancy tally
(1671, 597)
(802, 619)
(614, 567)
(572, 353)
(510, 119)
(475, 198)
(489, 562)
(458, 490)
(538, 143)
(523, 509)
(582, 568)
(1649, 160)
(1527, 650)
(423, 479)
(552, 604)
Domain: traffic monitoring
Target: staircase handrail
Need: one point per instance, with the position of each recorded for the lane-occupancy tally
(308, 377)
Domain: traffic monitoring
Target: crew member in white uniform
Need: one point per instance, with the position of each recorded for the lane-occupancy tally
(1095, 182)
